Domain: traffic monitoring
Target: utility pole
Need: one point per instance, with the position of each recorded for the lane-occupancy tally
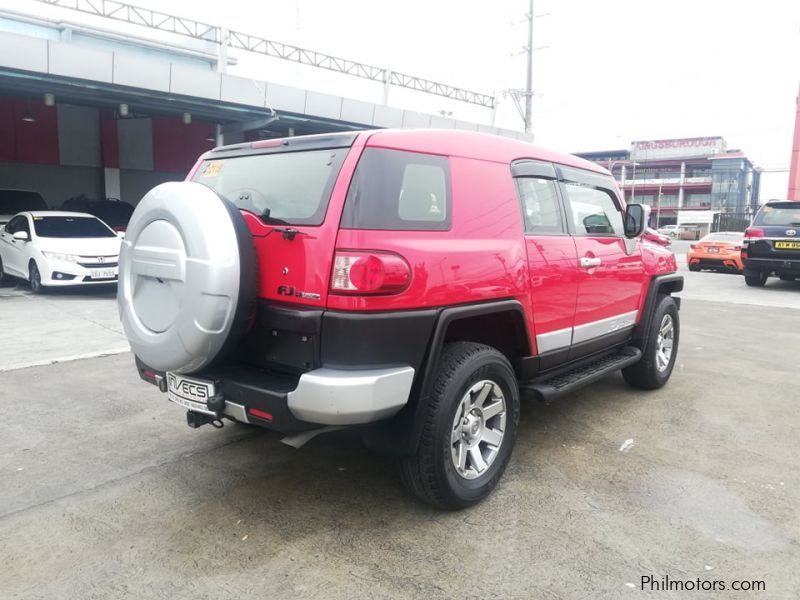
(529, 86)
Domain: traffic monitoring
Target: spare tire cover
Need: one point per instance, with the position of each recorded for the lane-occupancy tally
(186, 277)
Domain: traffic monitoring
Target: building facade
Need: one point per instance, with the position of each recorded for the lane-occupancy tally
(691, 181)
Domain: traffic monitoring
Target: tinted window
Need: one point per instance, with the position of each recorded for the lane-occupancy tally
(14, 201)
(294, 187)
(400, 191)
(540, 206)
(781, 215)
(70, 227)
(593, 210)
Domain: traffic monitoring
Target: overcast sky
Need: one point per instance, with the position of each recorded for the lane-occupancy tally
(608, 72)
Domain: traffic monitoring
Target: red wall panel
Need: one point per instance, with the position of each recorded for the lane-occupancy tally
(109, 139)
(197, 134)
(176, 145)
(36, 141)
(169, 145)
(8, 150)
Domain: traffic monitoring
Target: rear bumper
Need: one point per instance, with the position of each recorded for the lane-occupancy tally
(731, 262)
(290, 404)
(769, 264)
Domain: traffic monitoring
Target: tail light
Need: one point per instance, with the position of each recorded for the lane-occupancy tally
(754, 232)
(737, 247)
(357, 272)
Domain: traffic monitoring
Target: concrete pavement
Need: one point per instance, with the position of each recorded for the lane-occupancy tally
(105, 493)
(58, 326)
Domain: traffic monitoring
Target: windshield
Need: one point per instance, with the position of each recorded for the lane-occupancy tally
(14, 201)
(779, 215)
(732, 238)
(288, 187)
(71, 227)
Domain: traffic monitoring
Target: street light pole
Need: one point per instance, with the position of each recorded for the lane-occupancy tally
(529, 84)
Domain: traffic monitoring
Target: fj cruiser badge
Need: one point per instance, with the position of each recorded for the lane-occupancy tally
(285, 290)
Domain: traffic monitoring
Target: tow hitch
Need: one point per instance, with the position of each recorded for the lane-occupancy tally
(196, 419)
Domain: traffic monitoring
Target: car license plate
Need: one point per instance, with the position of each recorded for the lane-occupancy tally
(103, 274)
(787, 245)
(190, 393)
(714, 250)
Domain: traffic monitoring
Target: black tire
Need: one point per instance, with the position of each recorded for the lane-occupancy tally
(647, 374)
(694, 268)
(755, 279)
(430, 474)
(3, 277)
(35, 278)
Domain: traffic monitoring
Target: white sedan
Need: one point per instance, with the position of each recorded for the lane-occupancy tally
(59, 249)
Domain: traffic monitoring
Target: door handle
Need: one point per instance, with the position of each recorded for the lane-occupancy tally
(587, 262)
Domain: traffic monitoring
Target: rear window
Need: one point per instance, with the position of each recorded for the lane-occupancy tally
(71, 227)
(781, 215)
(733, 238)
(396, 190)
(14, 201)
(289, 187)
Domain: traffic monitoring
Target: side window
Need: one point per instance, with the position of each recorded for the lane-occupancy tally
(17, 224)
(540, 205)
(593, 210)
(396, 190)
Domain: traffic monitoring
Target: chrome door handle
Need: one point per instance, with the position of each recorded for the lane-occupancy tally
(587, 262)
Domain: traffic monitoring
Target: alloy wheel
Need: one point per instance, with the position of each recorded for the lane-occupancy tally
(665, 343)
(478, 429)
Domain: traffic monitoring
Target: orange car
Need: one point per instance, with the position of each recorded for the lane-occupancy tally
(719, 251)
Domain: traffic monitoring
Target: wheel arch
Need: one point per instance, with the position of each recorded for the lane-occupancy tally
(661, 284)
(499, 324)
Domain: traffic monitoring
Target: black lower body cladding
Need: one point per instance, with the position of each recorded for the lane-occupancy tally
(297, 339)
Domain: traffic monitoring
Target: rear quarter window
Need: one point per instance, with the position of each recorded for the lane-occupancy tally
(397, 190)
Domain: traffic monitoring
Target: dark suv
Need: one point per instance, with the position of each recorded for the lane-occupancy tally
(413, 284)
(772, 243)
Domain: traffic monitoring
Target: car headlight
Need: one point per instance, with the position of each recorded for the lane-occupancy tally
(58, 256)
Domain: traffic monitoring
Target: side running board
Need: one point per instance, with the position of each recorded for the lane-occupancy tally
(552, 387)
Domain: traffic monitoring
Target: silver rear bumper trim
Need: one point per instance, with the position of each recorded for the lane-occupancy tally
(339, 397)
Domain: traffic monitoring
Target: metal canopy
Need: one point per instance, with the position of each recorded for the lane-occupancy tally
(135, 15)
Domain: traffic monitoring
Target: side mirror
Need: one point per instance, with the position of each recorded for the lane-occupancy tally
(21, 235)
(635, 220)
(121, 235)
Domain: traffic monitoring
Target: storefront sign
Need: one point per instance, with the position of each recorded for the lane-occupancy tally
(659, 149)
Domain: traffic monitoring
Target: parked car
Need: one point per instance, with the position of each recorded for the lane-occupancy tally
(670, 230)
(15, 201)
(411, 283)
(720, 251)
(113, 213)
(51, 249)
(651, 235)
(772, 243)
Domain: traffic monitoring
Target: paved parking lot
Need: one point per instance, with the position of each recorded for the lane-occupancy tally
(105, 493)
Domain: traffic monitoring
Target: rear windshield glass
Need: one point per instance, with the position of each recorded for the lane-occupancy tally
(14, 201)
(780, 216)
(733, 238)
(289, 187)
(70, 227)
(399, 190)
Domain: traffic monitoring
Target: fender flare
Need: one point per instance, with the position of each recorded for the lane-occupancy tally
(401, 434)
(669, 283)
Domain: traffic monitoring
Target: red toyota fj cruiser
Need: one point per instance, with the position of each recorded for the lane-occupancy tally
(411, 283)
